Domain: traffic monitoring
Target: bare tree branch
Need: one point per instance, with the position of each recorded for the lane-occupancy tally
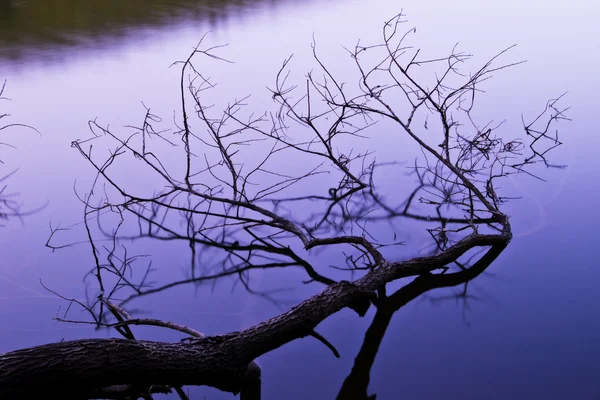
(252, 192)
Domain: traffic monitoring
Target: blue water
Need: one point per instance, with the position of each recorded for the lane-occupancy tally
(531, 328)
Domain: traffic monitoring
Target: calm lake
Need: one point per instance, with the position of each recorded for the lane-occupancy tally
(530, 327)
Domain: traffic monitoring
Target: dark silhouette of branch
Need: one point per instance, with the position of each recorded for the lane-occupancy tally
(356, 384)
(252, 192)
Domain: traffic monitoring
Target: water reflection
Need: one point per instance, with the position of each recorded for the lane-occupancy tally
(55, 29)
(537, 328)
(10, 205)
(356, 384)
(238, 220)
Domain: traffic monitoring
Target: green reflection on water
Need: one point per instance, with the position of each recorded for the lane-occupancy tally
(31, 27)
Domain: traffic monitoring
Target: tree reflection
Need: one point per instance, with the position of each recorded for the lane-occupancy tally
(356, 384)
(10, 207)
(254, 192)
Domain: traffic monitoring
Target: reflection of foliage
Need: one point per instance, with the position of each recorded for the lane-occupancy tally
(27, 26)
(264, 191)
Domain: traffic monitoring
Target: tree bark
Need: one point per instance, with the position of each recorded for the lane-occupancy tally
(74, 369)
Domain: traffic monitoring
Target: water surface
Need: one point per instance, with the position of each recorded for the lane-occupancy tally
(529, 331)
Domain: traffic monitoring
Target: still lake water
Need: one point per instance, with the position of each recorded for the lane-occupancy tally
(532, 329)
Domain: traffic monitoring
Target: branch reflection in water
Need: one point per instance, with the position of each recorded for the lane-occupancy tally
(228, 199)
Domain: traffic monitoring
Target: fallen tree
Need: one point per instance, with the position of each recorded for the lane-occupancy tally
(236, 197)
